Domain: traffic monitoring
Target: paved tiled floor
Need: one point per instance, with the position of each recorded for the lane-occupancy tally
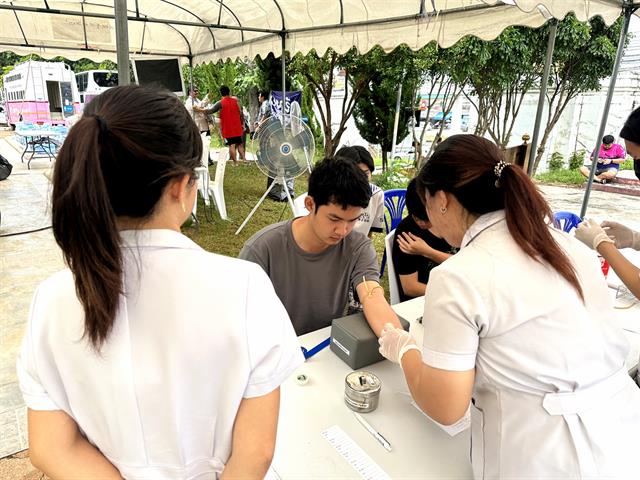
(25, 260)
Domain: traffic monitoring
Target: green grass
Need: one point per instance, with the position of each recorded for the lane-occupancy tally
(563, 176)
(243, 187)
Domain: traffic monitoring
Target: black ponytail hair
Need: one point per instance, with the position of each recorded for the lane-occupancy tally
(470, 168)
(115, 162)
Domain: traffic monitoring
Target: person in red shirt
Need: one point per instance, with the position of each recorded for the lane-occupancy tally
(231, 122)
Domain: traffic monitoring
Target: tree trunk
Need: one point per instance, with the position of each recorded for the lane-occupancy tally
(385, 164)
(542, 145)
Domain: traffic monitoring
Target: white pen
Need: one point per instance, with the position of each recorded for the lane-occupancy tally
(383, 441)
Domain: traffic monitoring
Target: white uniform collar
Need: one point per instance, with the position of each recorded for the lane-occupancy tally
(156, 238)
(482, 223)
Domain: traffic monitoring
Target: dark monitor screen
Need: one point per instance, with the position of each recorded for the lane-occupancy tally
(159, 73)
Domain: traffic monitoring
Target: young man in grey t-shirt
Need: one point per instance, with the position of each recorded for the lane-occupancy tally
(313, 260)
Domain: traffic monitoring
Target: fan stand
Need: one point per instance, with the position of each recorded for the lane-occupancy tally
(278, 180)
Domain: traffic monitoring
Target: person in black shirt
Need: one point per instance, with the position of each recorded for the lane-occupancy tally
(416, 250)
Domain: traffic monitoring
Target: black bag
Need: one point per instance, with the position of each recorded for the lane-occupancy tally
(5, 168)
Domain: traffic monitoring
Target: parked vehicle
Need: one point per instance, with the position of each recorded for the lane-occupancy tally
(40, 92)
(93, 82)
(436, 120)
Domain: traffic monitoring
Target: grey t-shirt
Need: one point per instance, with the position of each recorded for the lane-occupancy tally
(312, 286)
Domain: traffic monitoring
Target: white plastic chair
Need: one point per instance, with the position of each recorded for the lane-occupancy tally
(394, 291)
(216, 188)
(203, 174)
(299, 210)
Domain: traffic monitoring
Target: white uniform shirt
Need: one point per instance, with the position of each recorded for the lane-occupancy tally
(199, 117)
(195, 334)
(372, 219)
(552, 398)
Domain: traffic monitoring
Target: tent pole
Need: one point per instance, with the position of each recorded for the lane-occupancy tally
(122, 41)
(627, 11)
(543, 93)
(190, 73)
(396, 121)
(284, 68)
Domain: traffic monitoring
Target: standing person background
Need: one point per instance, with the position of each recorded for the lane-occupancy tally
(609, 158)
(265, 108)
(231, 123)
(191, 103)
(137, 361)
(518, 328)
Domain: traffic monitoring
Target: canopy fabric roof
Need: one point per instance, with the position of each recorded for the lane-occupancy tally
(219, 29)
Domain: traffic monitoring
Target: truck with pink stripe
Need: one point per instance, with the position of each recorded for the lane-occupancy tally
(40, 92)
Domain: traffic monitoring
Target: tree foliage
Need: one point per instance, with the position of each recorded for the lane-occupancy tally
(319, 72)
(375, 108)
(505, 70)
(584, 55)
(445, 74)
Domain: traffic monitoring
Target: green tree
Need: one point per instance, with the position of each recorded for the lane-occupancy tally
(375, 108)
(320, 72)
(584, 55)
(446, 72)
(506, 69)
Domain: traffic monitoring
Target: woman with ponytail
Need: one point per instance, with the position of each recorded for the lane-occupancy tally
(148, 357)
(518, 328)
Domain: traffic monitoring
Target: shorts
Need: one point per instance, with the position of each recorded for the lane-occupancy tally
(233, 141)
(600, 171)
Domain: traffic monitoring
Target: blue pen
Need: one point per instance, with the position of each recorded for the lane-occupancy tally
(310, 353)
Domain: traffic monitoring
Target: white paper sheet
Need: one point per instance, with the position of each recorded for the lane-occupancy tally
(352, 453)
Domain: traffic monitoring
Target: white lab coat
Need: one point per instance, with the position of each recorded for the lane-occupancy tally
(552, 398)
(195, 334)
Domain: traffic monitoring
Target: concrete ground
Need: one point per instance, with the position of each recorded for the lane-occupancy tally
(29, 254)
(25, 260)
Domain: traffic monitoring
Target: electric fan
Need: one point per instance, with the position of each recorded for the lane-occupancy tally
(284, 149)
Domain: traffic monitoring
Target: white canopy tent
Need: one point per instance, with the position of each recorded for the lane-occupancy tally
(206, 30)
(219, 29)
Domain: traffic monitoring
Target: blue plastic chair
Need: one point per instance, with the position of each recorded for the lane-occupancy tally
(566, 221)
(394, 202)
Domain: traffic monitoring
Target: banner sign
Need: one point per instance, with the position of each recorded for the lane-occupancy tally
(276, 102)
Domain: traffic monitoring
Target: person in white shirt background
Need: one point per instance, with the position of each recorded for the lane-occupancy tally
(198, 117)
(372, 219)
(149, 357)
(518, 328)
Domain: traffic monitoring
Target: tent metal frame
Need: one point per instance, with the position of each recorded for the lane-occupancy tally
(121, 18)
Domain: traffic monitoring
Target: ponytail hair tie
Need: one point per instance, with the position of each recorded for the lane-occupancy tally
(102, 124)
(497, 170)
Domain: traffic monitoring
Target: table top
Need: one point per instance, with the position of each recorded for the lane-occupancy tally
(420, 449)
(36, 133)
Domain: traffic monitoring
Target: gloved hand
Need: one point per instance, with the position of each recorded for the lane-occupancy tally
(591, 234)
(395, 342)
(623, 236)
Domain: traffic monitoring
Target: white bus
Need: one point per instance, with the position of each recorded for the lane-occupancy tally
(40, 92)
(93, 82)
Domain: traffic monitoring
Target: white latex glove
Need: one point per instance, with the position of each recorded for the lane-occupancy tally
(591, 234)
(623, 236)
(395, 342)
